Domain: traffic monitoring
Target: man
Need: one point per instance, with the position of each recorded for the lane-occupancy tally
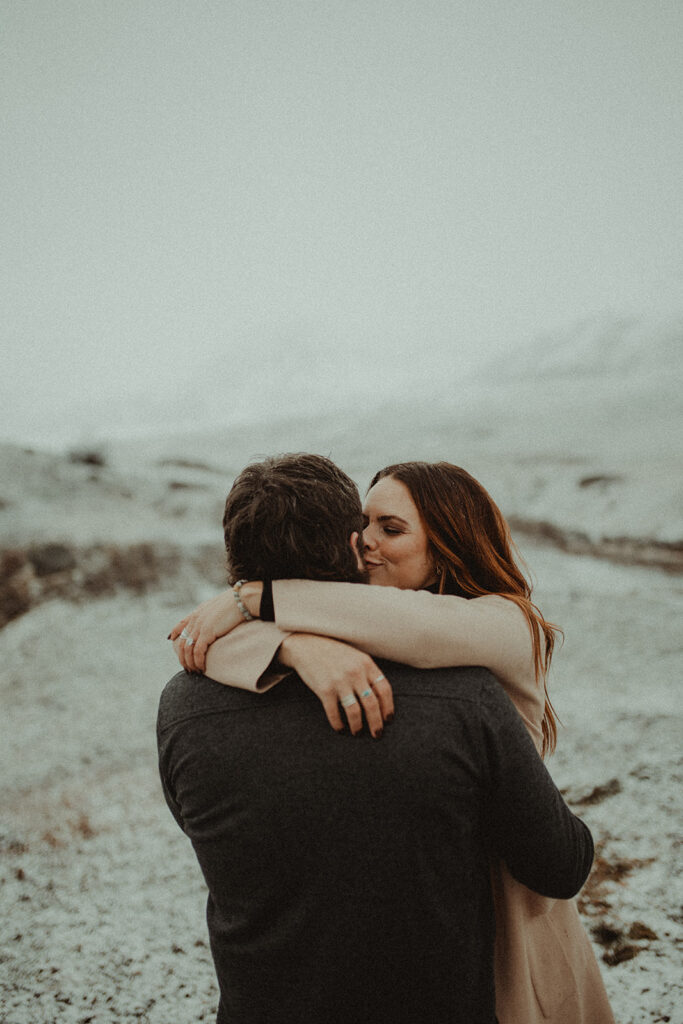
(349, 879)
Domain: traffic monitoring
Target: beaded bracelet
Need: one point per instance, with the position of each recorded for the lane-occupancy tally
(246, 614)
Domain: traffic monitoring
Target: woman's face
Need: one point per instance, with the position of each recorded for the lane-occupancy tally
(396, 547)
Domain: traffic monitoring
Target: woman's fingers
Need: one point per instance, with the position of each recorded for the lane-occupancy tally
(184, 643)
(184, 646)
(384, 694)
(373, 713)
(178, 628)
(199, 649)
(190, 633)
(197, 636)
(371, 697)
(199, 629)
(361, 703)
(179, 648)
(190, 663)
(354, 715)
(330, 705)
(347, 682)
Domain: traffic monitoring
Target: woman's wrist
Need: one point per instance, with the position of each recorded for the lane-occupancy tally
(286, 654)
(251, 596)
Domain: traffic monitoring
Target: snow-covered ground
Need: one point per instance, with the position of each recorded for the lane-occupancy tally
(103, 915)
(103, 903)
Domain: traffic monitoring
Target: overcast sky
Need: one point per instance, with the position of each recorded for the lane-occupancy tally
(255, 197)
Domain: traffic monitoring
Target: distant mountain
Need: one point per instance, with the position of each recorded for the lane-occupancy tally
(602, 346)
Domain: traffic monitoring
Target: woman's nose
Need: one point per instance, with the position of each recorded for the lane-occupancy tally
(369, 541)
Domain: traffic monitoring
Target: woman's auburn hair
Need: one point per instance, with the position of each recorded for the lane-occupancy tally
(471, 544)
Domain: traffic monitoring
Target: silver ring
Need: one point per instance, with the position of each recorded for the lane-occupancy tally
(348, 700)
(377, 680)
(189, 641)
(184, 635)
(366, 693)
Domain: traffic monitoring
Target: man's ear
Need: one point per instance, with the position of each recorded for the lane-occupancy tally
(354, 542)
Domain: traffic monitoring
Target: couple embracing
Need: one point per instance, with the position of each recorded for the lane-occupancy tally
(417, 864)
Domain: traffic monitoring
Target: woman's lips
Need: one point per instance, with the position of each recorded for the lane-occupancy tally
(372, 565)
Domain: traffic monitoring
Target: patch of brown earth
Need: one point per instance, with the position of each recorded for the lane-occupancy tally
(619, 940)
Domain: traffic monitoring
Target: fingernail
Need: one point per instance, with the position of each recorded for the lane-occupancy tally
(389, 717)
(168, 637)
(378, 735)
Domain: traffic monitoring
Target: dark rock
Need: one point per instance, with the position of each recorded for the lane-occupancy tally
(605, 934)
(601, 478)
(99, 583)
(664, 555)
(11, 562)
(51, 558)
(620, 954)
(136, 567)
(15, 599)
(640, 931)
(188, 464)
(599, 793)
(87, 457)
(59, 570)
(16, 586)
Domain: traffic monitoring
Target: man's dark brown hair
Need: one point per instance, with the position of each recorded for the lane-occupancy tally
(291, 517)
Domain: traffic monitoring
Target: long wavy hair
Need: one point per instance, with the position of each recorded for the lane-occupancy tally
(474, 554)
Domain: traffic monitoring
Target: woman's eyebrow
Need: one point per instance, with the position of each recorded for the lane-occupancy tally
(385, 519)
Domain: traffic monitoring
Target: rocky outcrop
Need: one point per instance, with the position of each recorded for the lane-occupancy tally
(664, 555)
(31, 575)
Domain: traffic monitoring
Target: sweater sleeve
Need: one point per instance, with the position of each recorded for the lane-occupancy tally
(246, 657)
(545, 846)
(421, 629)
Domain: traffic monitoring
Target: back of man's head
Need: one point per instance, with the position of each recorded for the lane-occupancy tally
(291, 517)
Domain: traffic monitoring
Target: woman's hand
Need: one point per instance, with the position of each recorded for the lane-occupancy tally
(340, 674)
(194, 634)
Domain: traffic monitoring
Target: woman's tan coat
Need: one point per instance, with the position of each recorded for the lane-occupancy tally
(545, 968)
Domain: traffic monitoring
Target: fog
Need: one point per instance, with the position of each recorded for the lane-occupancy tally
(242, 209)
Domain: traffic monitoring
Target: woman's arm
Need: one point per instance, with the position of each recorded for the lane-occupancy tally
(412, 626)
(415, 627)
(257, 655)
(420, 629)
(339, 674)
(248, 657)
(194, 634)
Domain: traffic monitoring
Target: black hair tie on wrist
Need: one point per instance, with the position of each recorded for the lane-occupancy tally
(267, 609)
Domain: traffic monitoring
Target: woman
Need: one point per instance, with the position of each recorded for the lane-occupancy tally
(432, 528)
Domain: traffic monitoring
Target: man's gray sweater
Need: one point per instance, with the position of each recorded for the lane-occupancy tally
(349, 878)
